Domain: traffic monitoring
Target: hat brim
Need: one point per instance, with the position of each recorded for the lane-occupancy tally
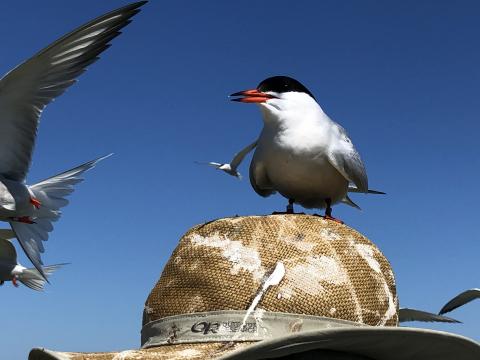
(379, 343)
(210, 350)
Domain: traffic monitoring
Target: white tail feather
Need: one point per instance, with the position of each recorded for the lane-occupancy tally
(34, 280)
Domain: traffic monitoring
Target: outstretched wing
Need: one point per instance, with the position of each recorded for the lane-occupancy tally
(406, 314)
(238, 158)
(28, 88)
(460, 300)
(345, 158)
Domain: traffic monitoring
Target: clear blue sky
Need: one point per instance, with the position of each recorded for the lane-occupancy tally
(402, 77)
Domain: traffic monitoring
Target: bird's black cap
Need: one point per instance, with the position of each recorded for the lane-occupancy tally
(282, 84)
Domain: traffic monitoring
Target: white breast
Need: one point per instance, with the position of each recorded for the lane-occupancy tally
(293, 151)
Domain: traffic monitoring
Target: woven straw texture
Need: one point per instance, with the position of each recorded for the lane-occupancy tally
(331, 270)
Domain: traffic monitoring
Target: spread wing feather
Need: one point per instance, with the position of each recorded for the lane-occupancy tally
(28, 88)
(238, 158)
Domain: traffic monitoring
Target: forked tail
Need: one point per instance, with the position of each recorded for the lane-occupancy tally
(34, 280)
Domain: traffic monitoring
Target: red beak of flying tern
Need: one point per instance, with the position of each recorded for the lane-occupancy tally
(252, 96)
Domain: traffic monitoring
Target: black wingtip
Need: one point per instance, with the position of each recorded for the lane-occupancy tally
(443, 311)
(135, 5)
(376, 192)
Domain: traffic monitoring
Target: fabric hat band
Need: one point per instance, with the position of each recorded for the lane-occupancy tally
(232, 325)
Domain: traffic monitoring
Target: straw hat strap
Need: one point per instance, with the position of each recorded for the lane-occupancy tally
(232, 325)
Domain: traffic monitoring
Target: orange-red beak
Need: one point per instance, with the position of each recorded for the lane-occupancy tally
(252, 96)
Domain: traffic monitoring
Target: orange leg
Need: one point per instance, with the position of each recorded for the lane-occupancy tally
(35, 202)
(14, 281)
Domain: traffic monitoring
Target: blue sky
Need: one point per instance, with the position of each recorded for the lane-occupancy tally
(401, 77)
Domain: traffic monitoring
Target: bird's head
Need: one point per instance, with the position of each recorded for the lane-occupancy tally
(278, 93)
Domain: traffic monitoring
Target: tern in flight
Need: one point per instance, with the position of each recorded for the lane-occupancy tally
(25, 91)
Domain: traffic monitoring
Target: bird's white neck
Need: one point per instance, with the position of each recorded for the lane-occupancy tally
(291, 110)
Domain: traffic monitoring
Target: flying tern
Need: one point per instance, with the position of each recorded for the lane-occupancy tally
(301, 152)
(231, 168)
(11, 270)
(24, 92)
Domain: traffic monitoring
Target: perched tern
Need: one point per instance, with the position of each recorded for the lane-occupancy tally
(301, 152)
(231, 168)
(11, 270)
(24, 92)
(460, 300)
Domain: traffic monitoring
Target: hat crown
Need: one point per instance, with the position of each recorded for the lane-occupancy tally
(331, 270)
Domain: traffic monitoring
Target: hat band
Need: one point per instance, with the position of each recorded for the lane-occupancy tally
(232, 325)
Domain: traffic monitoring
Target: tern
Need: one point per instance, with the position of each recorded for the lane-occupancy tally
(24, 93)
(11, 270)
(460, 300)
(231, 168)
(301, 153)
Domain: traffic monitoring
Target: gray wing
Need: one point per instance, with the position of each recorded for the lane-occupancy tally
(345, 158)
(259, 179)
(406, 314)
(28, 88)
(238, 158)
(460, 300)
(8, 254)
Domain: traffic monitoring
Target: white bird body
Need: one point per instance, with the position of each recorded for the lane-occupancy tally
(10, 271)
(301, 152)
(227, 168)
(292, 153)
